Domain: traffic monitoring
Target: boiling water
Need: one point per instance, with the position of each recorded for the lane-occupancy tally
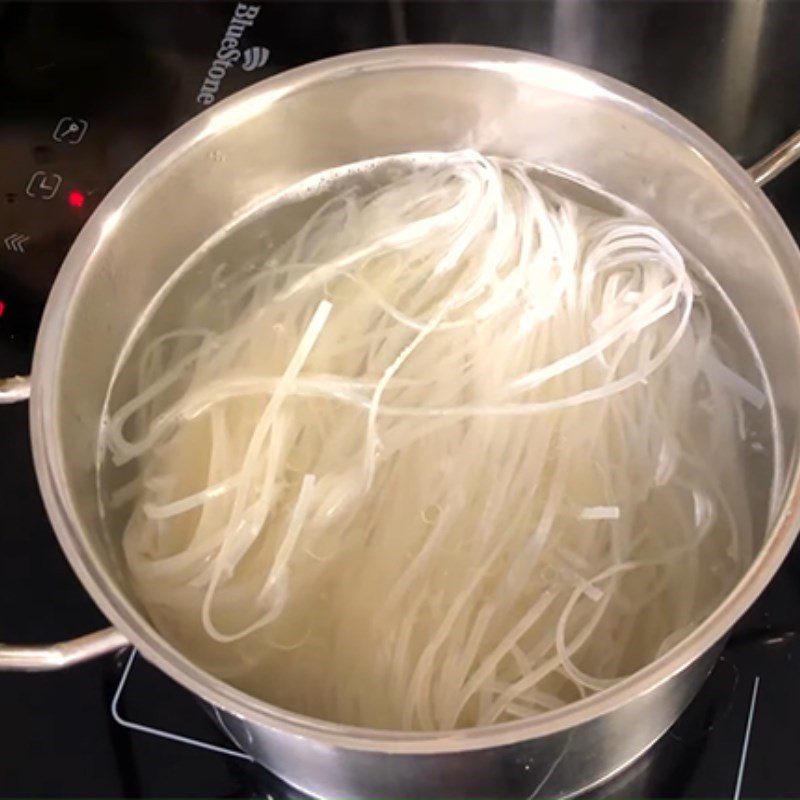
(287, 660)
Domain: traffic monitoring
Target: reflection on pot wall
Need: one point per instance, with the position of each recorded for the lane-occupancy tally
(729, 76)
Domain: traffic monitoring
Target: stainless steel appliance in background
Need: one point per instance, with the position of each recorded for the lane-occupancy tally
(45, 186)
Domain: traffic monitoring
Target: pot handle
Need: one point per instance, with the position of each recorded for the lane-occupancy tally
(50, 657)
(14, 390)
(775, 162)
(43, 658)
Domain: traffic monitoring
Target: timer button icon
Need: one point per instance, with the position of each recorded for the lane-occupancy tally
(70, 130)
(43, 185)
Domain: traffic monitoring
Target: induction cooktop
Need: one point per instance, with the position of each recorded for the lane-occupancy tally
(86, 89)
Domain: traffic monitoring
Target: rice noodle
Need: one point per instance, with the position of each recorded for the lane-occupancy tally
(461, 451)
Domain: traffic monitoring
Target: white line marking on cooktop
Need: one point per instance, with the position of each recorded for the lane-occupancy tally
(737, 792)
(174, 737)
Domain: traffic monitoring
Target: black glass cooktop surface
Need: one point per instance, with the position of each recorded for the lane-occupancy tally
(85, 91)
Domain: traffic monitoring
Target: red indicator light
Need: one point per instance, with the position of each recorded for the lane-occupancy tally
(2, 308)
(75, 199)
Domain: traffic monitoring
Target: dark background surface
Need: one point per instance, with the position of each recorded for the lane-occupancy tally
(132, 71)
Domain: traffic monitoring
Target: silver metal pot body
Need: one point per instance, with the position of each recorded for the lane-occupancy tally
(374, 103)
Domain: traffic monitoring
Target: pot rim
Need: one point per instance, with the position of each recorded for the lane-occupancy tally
(49, 458)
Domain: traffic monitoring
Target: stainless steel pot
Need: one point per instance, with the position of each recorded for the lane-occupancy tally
(344, 110)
